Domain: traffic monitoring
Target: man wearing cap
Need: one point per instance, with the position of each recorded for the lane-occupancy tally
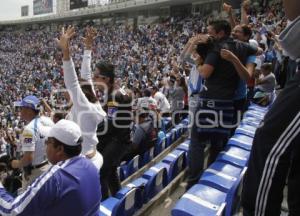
(32, 140)
(69, 187)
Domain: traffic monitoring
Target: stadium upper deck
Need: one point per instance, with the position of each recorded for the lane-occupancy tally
(63, 11)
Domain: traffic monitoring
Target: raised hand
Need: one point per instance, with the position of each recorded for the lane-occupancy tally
(199, 38)
(246, 5)
(89, 38)
(64, 41)
(227, 8)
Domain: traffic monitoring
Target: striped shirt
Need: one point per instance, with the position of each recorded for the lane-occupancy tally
(195, 82)
(64, 189)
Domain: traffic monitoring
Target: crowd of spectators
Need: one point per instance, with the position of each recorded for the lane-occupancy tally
(146, 58)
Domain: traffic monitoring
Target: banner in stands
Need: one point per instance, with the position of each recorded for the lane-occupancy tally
(42, 6)
(24, 11)
(75, 4)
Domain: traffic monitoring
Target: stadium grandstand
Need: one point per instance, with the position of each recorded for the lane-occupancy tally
(150, 107)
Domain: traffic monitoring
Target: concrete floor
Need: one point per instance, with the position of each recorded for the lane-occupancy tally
(164, 209)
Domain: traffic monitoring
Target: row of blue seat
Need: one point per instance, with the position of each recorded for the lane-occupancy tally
(164, 140)
(141, 190)
(217, 189)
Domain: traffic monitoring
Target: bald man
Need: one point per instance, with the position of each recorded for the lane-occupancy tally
(275, 156)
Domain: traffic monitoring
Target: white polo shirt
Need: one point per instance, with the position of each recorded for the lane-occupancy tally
(33, 138)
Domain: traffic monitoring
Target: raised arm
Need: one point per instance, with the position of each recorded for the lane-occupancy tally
(86, 71)
(71, 81)
(244, 12)
(228, 9)
(187, 49)
(46, 106)
(244, 73)
(191, 47)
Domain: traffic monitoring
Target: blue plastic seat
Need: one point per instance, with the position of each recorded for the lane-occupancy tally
(221, 175)
(174, 163)
(235, 156)
(131, 167)
(180, 127)
(169, 139)
(146, 158)
(251, 121)
(151, 183)
(258, 108)
(254, 114)
(167, 121)
(233, 199)
(246, 130)
(166, 166)
(160, 144)
(184, 146)
(156, 181)
(175, 134)
(121, 173)
(109, 207)
(133, 196)
(140, 183)
(200, 200)
(242, 141)
(185, 121)
(123, 204)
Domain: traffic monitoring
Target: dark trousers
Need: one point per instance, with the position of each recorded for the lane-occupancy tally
(112, 154)
(217, 136)
(275, 157)
(291, 69)
(239, 109)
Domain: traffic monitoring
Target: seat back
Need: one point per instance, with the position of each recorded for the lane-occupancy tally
(235, 156)
(157, 180)
(132, 166)
(221, 175)
(169, 139)
(160, 143)
(234, 195)
(176, 160)
(200, 200)
(129, 200)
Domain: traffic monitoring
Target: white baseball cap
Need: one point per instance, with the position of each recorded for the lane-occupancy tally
(65, 131)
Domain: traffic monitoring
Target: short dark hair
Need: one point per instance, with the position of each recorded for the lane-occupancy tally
(221, 25)
(147, 93)
(204, 48)
(247, 31)
(70, 151)
(106, 69)
(155, 88)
